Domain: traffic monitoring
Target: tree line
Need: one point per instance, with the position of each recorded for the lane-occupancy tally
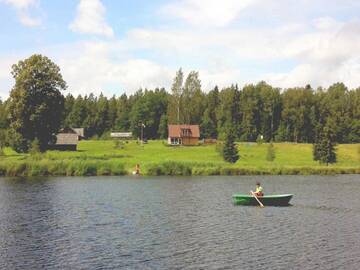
(300, 114)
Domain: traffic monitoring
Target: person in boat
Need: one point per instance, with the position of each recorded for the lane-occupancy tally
(259, 190)
(137, 169)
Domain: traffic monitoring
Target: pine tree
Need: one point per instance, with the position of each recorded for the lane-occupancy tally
(230, 152)
(324, 148)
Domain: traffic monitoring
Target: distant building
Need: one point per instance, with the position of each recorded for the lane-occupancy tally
(80, 132)
(121, 135)
(183, 134)
(66, 140)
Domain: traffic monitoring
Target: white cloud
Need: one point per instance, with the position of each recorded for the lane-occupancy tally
(324, 57)
(90, 19)
(321, 52)
(21, 4)
(207, 12)
(6, 80)
(92, 67)
(22, 8)
(289, 53)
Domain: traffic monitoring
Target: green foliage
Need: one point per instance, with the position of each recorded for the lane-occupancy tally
(2, 141)
(230, 151)
(36, 104)
(169, 168)
(228, 111)
(174, 111)
(298, 115)
(148, 109)
(119, 144)
(279, 115)
(208, 127)
(260, 139)
(100, 158)
(35, 147)
(4, 115)
(270, 155)
(324, 148)
(163, 127)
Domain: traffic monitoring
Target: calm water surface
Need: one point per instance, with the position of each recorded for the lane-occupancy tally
(178, 223)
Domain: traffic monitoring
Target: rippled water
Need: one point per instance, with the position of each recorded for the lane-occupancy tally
(178, 223)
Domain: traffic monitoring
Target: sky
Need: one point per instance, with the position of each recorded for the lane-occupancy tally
(117, 47)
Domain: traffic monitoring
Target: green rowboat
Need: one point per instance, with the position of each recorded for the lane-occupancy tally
(272, 200)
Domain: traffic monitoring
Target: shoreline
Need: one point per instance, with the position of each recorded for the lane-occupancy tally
(101, 158)
(28, 168)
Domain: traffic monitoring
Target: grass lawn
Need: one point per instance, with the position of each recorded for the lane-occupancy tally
(155, 153)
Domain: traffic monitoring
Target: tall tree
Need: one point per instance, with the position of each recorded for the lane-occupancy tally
(209, 121)
(122, 122)
(102, 115)
(174, 107)
(228, 112)
(324, 148)
(271, 110)
(250, 107)
(163, 127)
(36, 102)
(113, 111)
(4, 115)
(335, 107)
(298, 114)
(192, 99)
(230, 152)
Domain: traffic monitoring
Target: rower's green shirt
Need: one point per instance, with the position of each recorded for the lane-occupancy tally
(258, 189)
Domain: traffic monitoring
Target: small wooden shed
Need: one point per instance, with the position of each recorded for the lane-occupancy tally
(66, 140)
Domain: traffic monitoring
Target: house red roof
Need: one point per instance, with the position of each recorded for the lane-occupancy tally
(180, 131)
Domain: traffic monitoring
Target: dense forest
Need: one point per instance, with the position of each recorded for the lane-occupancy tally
(253, 111)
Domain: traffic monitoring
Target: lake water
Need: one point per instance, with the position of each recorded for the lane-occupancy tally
(178, 223)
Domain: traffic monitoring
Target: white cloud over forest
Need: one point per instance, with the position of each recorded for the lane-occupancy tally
(90, 19)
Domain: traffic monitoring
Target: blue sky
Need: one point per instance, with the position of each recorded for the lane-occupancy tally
(119, 46)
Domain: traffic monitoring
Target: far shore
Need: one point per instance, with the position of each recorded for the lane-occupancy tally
(156, 158)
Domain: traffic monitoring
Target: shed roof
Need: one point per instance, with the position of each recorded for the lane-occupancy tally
(67, 139)
(175, 131)
(79, 131)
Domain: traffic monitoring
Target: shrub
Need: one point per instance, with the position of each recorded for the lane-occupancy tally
(270, 155)
(169, 168)
(119, 144)
(260, 139)
(35, 147)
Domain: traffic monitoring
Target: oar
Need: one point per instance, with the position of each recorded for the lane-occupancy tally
(252, 192)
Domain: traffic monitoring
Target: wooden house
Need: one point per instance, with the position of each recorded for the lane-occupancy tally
(183, 134)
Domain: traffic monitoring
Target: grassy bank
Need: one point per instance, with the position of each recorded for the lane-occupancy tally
(155, 158)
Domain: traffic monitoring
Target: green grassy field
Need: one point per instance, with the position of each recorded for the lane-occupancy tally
(155, 158)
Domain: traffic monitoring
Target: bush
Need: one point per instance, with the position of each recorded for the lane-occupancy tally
(119, 144)
(270, 155)
(35, 147)
(260, 139)
(169, 168)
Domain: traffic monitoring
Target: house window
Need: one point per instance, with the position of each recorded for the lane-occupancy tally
(185, 132)
(176, 141)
